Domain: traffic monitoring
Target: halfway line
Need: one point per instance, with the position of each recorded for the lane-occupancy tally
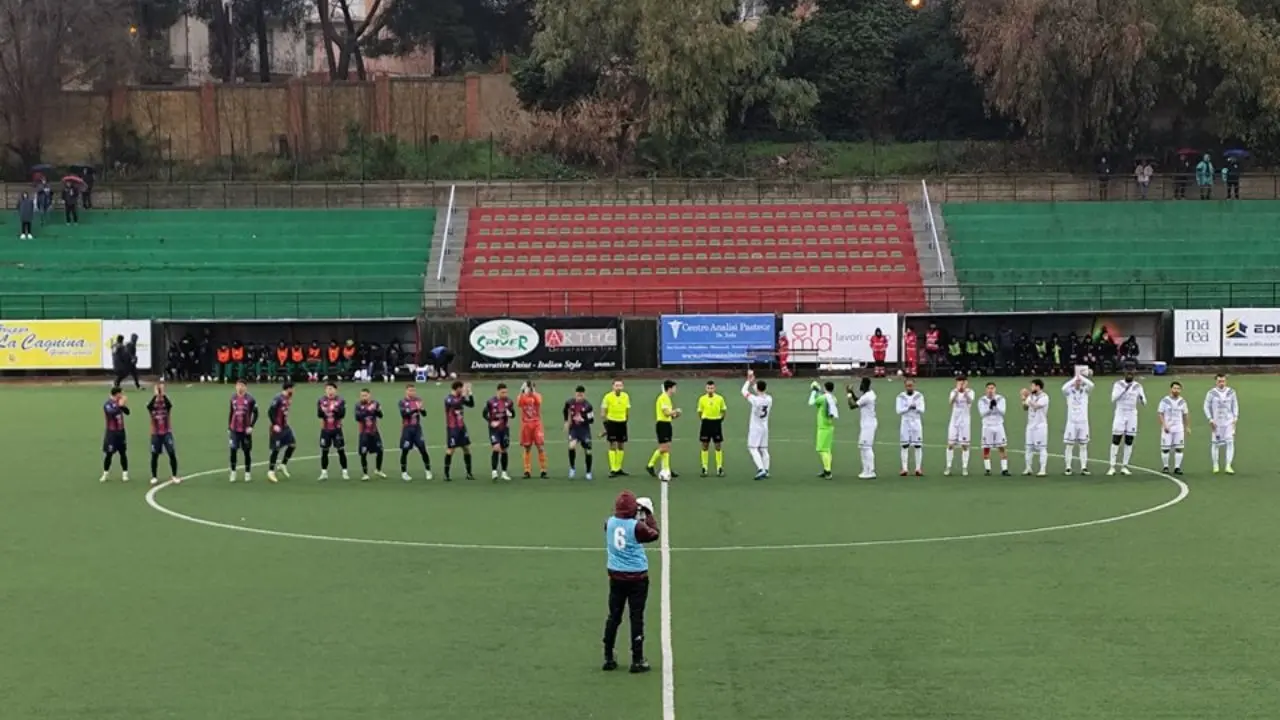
(668, 668)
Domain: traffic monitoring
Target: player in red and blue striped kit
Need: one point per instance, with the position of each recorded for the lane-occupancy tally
(281, 433)
(498, 412)
(411, 414)
(242, 416)
(114, 441)
(161, 410)
(368, 412)
(456, 426)
(331, 409)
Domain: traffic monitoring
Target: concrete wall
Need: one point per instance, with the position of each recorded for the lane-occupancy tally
(209, 121)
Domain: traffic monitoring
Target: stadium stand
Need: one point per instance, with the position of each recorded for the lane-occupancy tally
(655, 259)
(222, 264)
(1112, 256)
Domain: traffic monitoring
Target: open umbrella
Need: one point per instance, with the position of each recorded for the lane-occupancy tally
(1238, 153)
(45, 168)
(73, 179)
(1188, 151)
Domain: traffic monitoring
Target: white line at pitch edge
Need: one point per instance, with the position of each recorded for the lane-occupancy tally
(1183, 492)
(668, 666)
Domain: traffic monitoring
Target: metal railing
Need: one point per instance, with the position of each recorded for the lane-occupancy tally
(952, 189)
(375, 304)
(933, 228)
(444, 238)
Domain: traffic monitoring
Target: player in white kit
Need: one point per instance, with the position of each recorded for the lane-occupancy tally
(992, 409)
(1175, 423)
(864, 401)
(1076, 435)
(1036, 402)
(961, 401)
(758, 427)
(1222, 409)
(911, 428)
(1127, 395)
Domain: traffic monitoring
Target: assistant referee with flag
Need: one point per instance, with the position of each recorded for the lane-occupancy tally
(625, 534)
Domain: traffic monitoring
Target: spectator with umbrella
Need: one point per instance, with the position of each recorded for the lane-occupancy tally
(71, 198)
(1231, 173)
(87, 176)
(1204, 177)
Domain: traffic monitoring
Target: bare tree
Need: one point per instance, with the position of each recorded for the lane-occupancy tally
(49, 45)
(348, 41)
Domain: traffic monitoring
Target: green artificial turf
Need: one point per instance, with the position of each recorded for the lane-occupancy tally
(118, 611)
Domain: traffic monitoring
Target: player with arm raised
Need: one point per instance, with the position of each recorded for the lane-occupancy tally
(1175, 423)
(911, 428)
(531, 432)
(864, 401)
(823, 398)
(578, 417)
(1076, 390)
(758, 427)
(1036, 402)
(992, 408)
(114, 441)
(961, 401)
(1222, 409)
(161, 411)
(1127, 395)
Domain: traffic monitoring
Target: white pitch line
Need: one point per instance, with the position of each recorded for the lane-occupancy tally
(668, 661)
(1183, 492)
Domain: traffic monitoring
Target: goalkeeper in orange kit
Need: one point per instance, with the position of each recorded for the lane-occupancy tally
(531, 433)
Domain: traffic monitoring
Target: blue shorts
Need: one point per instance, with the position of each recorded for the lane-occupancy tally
(240, 440)
(162, 443)
(370, 443)
(458, 438)
(114, 441)
(581, 435)
(411, 437)
(283, 439)
(332, 439)
(500, 437)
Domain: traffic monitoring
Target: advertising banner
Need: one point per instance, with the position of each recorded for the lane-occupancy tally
(111, 329)
(1197, 333)
(714, 339)
(68, 344)
(545, 344)
(1251, 332)
(839, 338)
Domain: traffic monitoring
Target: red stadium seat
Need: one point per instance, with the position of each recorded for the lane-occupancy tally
(655, 259)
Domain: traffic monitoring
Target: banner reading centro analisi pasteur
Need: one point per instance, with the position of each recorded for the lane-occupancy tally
(545, 344)
(838, 338)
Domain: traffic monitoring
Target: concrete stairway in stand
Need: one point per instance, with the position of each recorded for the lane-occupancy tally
(441, 288)
(937, 268)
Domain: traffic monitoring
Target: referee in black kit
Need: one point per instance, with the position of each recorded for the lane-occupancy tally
(631, 526)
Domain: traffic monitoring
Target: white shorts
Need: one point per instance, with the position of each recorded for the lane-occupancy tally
(1037, 438)
(757, 439)
(1125, 426)
(1076, 434)
(1224, 434)
(1172, 439)
(867, 436)
(958, 434)
(911, 433)
(994, 437)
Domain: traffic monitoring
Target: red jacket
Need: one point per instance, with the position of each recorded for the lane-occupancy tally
(879, 345)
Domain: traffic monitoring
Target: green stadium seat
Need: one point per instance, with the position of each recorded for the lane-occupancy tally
(1109, 256)
(224, 264)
